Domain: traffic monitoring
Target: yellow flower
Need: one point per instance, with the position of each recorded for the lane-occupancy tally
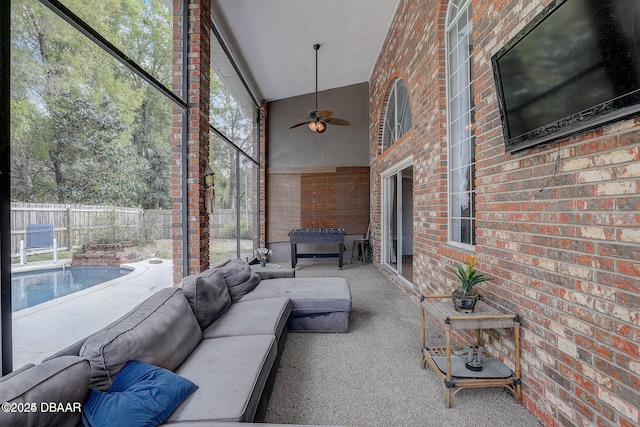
(471, 260)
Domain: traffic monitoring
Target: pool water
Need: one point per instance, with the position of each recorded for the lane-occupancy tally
(35, 287)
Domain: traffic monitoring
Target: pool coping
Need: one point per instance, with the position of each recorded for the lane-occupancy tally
(136, 270)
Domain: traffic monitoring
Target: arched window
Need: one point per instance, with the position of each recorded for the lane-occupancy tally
(397, 116)
(460, 109)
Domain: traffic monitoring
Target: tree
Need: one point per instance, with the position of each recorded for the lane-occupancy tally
(229, 118)
(84, 128)
(151, 44)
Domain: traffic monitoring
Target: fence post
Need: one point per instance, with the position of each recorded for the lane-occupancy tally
(70, 242)
(23, 258)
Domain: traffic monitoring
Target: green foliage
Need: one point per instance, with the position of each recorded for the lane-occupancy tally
(44, 257)
(229, 230)
(469, 276)
(110, 228)
(237, 124)
(84, 128)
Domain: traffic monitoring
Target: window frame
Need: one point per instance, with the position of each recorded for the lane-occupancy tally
(394, 173)
(104, 44)
(463, 136)
(400, 127)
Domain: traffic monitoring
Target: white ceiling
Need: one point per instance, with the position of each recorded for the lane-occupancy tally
(272, 41)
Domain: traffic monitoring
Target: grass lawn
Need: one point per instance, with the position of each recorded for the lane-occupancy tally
(220, 250)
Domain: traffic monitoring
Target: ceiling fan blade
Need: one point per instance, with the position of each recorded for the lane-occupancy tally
(324, 114)
(300, 124)
(337, 122)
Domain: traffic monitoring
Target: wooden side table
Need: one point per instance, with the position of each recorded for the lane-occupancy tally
(449, 362)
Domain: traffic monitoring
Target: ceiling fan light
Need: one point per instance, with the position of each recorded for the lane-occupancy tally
(312, 126)
(321, 127)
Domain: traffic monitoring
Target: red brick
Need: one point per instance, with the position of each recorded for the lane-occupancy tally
(557, 256)
(198, 134)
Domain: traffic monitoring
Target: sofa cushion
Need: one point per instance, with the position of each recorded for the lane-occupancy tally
(240, 278)
(231, 373)
(307, 295)
(161, 331)
(259, 317)
(62, 381)
(208, 295)
(141, 395)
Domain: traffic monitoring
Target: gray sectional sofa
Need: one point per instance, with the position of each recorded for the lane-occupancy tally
(221, 332)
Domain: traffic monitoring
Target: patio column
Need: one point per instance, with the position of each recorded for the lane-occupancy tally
(190, 136)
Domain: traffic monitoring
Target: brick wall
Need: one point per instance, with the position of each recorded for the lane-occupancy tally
(198, 68)
(567, 258)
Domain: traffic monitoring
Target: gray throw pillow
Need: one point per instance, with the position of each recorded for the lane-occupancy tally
(240, 278)
(208, 296)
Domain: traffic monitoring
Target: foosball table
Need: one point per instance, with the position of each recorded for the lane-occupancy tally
(316, 236)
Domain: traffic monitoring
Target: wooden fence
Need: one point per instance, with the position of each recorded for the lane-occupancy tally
(218, 220)
(75, 225)
(160, 220)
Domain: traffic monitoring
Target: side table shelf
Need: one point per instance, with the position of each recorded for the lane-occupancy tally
(449, 362)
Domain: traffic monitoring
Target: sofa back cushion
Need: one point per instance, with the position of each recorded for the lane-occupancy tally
(56, 388)
(208, 295)
(240, 278)
(161, 331)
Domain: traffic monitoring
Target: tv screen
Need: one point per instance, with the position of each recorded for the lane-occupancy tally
(574, 67)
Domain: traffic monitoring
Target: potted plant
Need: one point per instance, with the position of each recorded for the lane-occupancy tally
(262, 255)
(466, 296)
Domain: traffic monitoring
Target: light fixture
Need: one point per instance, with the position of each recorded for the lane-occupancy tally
(317, 120)
(209, 176)
(318, 126)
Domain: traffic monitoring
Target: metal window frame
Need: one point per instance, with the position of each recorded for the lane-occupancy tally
(6, 327)
(239, 151)
(6, 352)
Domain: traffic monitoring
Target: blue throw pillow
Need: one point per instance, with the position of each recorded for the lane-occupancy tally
(140, 395)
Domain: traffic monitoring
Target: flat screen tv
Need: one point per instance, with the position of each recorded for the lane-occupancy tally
(576, 66)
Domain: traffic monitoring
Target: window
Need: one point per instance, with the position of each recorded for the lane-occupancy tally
(460, 123)
(90, 155)
(397, 116)
(233, 155)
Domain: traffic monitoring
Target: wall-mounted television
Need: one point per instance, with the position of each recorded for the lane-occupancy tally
(576, 66)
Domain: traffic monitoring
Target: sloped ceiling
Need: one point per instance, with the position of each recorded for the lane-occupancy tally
(272, 42)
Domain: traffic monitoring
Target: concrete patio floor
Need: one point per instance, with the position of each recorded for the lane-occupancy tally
(46, 328)
(370, 376)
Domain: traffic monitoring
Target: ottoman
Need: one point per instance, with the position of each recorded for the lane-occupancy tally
(317, 304)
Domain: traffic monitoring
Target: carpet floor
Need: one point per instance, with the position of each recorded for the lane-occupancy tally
(371, 376)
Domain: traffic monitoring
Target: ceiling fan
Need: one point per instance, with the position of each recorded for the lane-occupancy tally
(317, 120)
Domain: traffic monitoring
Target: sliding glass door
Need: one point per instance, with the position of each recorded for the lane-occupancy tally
(397, 219)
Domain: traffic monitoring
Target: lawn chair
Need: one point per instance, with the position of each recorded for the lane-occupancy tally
(38, 236)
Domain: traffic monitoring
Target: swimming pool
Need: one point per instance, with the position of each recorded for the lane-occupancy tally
(35, 287)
